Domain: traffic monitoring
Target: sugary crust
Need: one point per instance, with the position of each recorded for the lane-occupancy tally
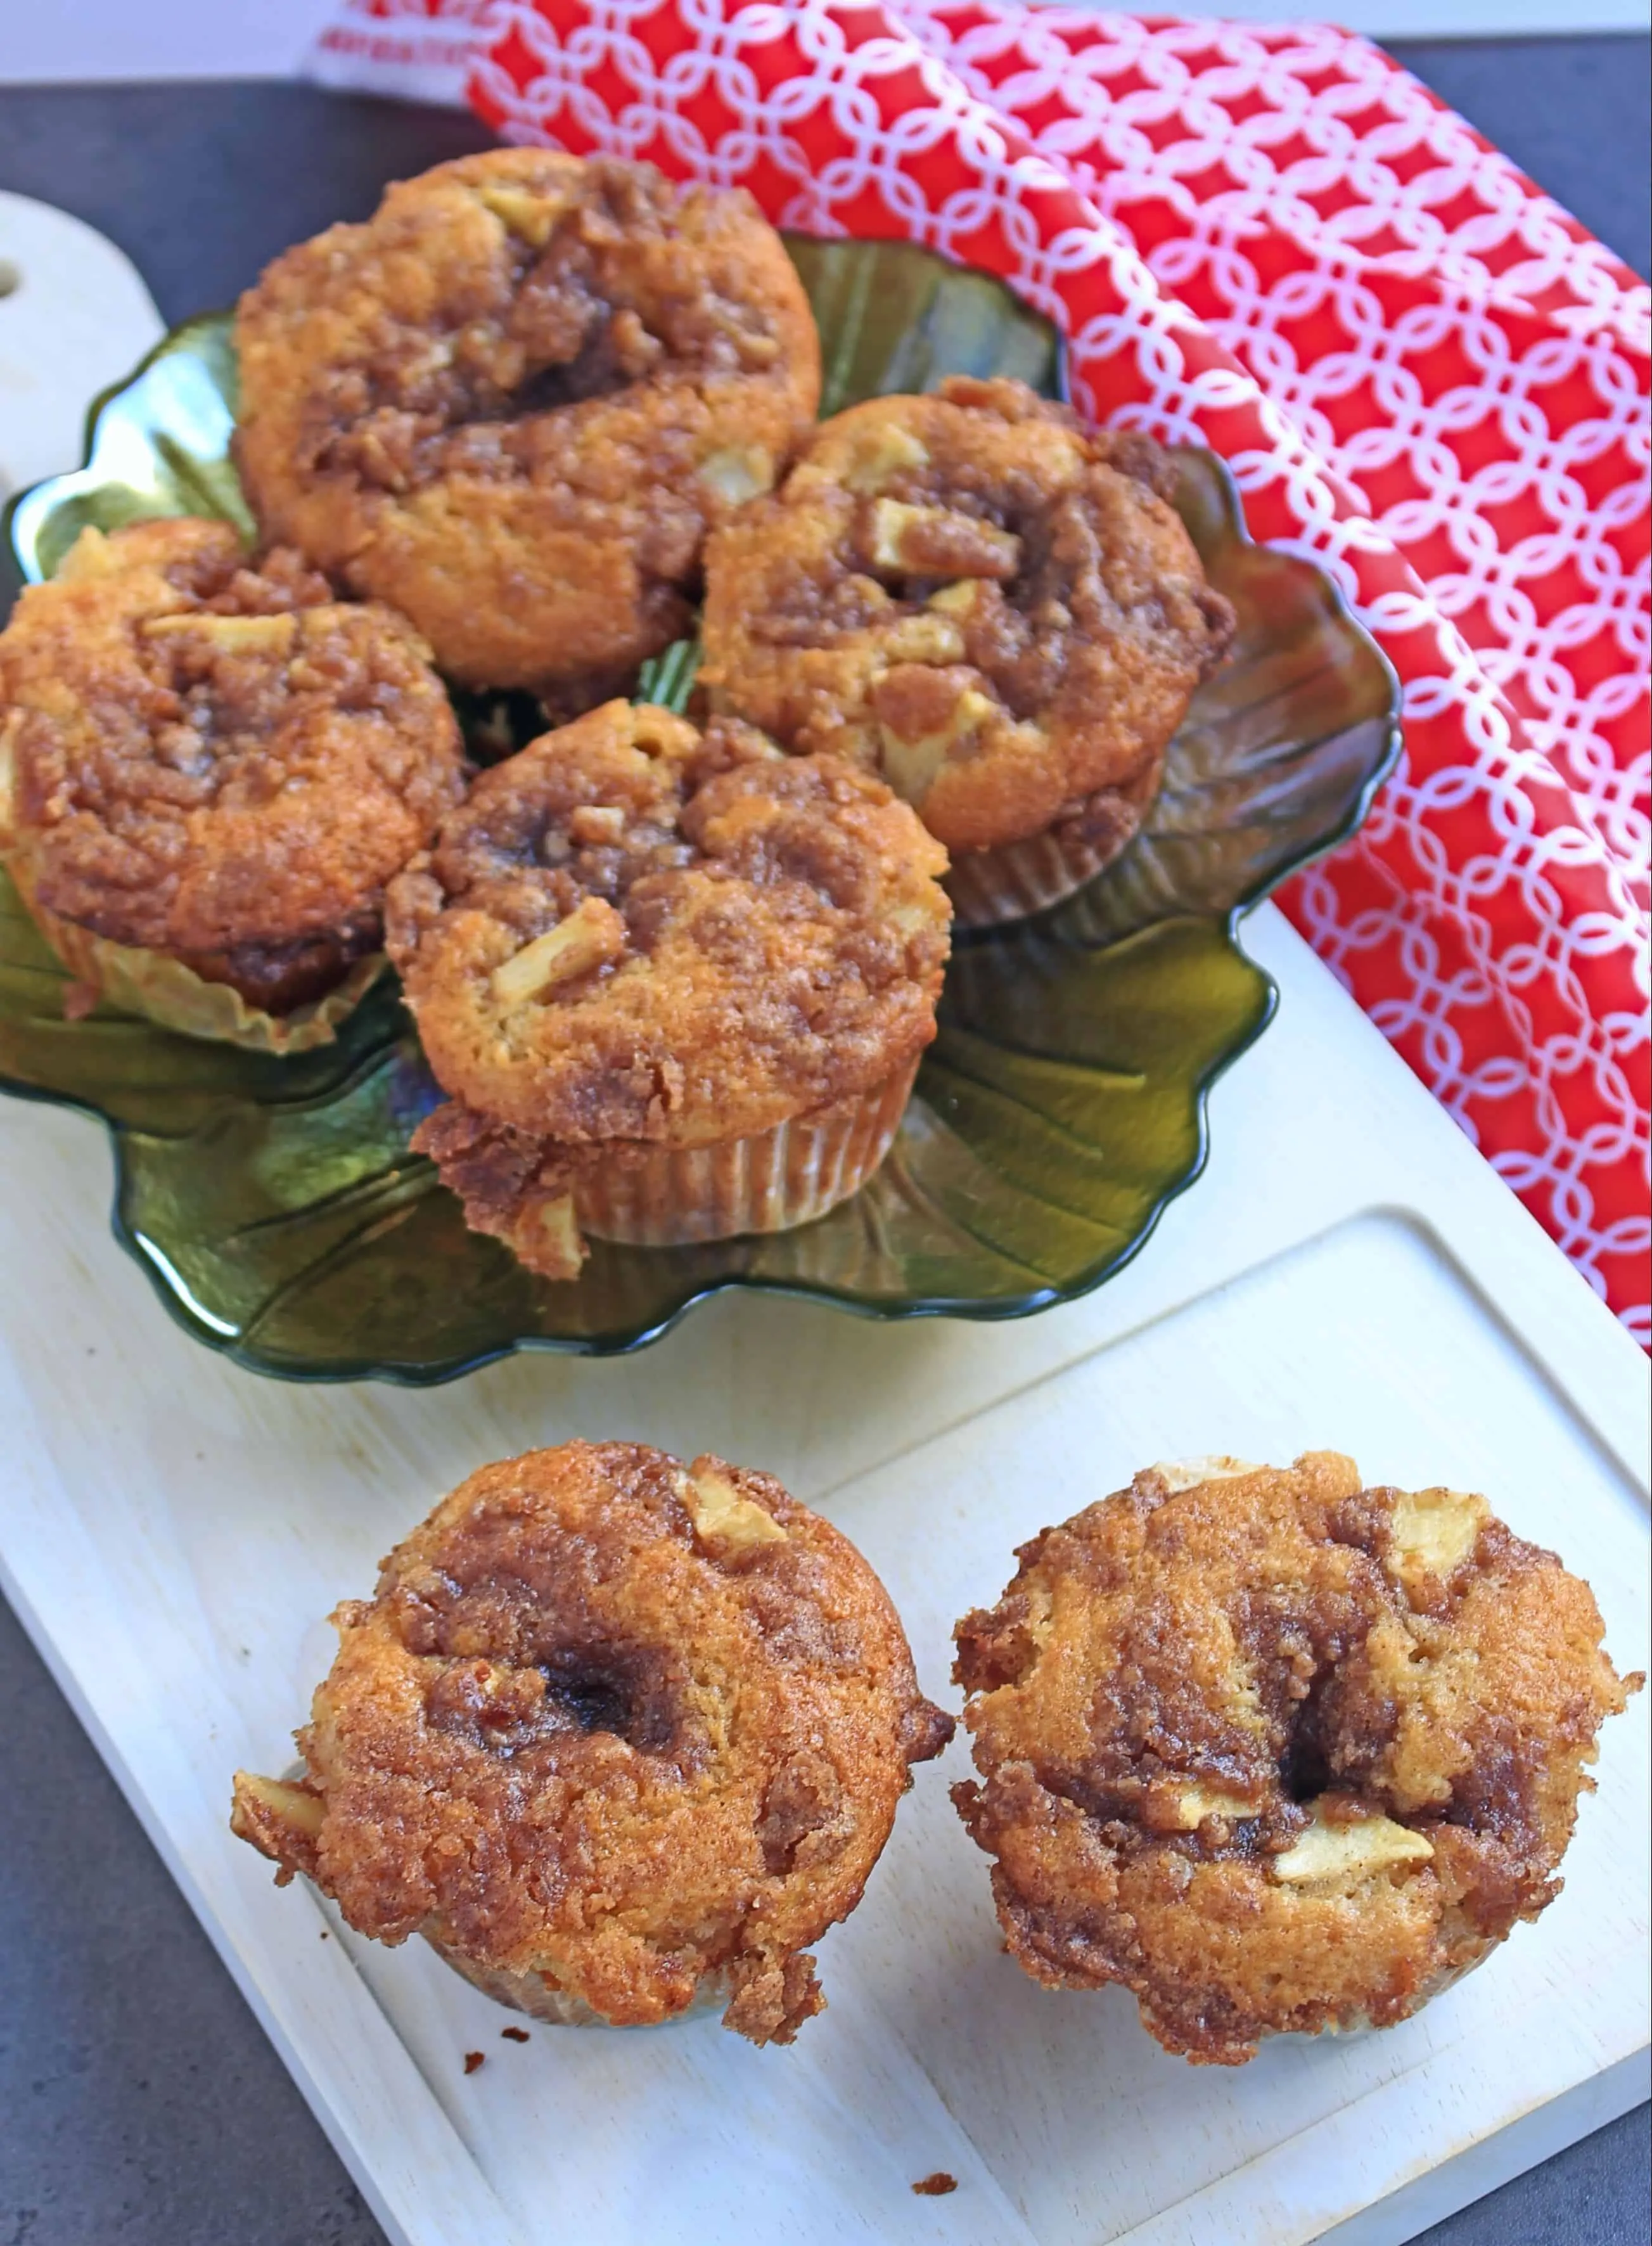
(1176, 1671)
(767, 935)
(973, 593)
(209, 757)
(513, 401)
(617, 1721)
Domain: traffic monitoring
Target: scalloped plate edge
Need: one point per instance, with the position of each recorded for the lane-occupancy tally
(201, 1327)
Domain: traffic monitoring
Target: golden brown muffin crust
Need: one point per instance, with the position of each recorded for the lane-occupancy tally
(617, 1720)
(1274, 1750)
(734, 937)
(973, 593)
(513, 401)
(209, 756)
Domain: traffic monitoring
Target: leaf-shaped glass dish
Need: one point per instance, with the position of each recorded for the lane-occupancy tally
(275, 1203)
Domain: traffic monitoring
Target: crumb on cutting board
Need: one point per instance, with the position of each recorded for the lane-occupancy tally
(935, 2186)
(473, 2059)
(514, 2035)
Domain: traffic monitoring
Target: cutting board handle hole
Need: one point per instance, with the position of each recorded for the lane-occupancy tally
(10, 278)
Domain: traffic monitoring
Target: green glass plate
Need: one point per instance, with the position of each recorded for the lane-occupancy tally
(274, 1202)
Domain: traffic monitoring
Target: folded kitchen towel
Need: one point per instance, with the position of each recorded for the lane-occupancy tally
(1273, 240)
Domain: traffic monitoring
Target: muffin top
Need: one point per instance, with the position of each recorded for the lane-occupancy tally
(615, 1720)
(633, 931)
(209, 756)
(514, 398)
(1276, 1751)
(975, 596)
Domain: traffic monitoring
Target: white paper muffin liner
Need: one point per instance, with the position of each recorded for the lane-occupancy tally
(670, 1197)
(166, 992)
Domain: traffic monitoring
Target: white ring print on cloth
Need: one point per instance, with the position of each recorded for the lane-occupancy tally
(1326, 144)
(1425, 375)
(417, 49)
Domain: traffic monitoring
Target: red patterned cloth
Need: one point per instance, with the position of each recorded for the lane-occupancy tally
(1424, 374)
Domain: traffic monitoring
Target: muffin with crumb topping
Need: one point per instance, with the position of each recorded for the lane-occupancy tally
(1276, 1751)
(620, 1736)
(514, 400)
(991, 605)
(674, 985)
(209, 769)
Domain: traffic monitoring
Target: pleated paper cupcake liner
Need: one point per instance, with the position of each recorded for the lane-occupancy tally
(772, 1181)
(166, 991)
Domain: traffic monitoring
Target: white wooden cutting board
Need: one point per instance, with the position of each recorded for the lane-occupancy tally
(1348, 1273)
(74, 318)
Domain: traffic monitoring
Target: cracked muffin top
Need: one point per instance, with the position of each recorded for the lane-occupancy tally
(631, 930)
(513, 401)
(206, 756)
(1276, 1751)
(614, 1720)
(973, 593)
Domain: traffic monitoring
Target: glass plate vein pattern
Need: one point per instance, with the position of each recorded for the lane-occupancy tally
(274, 1202)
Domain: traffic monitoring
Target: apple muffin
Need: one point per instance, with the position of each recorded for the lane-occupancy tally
(514, 400)
(674, 985)
(619, 1736)
(993, 606)
(1276, 1752)
(209, 769)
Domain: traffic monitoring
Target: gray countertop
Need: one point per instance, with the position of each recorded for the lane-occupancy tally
(139, 2102)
